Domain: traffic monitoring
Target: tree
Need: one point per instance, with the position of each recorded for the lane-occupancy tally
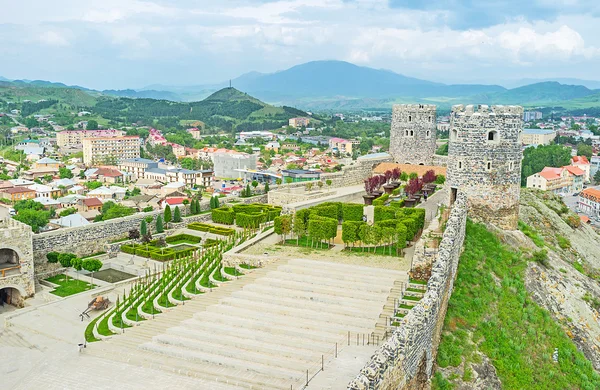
(585, 150)
(134, 234)
(65, 173)
(309, 186)
(168, 217)
(535, 159)
(185, 204)
(254, 184)
(92, 125)
(52, 257)
(597, 177)
(177, 215)
(329, 182)
(92, 265)
(320, 184)
(198, 208)
(278, 181)
(65, 261)
(143, 228)
(159, 224)
(37, 219)
(77, 265)
(193, 207)
(267, 189)
(288, 181)
(403, 176)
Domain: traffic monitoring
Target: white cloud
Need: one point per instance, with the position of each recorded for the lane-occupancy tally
(53, 38)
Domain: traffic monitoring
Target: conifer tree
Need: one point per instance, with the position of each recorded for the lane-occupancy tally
(159, 224)
(177, 215)
(167, 215)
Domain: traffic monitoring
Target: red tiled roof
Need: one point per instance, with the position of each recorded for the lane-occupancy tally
(108, 172)
(91, 202)
(174, 201)
(550, 173)
(17, 190)
(580, 160)
(591, 193)
(574, 170)
(584, 219)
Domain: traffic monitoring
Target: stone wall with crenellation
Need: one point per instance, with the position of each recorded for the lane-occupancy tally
(413, 133)
(405, 360)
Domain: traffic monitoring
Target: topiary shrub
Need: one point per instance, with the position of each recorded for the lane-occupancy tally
(352, 211)
(224, 215)
(382, 213)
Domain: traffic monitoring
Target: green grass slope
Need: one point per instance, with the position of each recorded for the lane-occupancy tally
(491, 314)
(72, 96)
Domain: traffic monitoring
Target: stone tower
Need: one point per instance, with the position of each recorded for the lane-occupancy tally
(484, 161)
(413, 132)
(16, 262)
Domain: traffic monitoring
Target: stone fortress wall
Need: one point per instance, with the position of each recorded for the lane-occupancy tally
(413, 133)
(16, 250)
(405, 360)
(484, 161)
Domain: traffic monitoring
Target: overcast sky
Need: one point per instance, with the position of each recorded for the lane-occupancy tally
(121, 43)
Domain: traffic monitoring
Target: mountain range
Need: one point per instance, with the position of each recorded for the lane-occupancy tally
(342, 85)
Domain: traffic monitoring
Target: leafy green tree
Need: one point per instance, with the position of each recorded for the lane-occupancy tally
(92, 125)
(37, 219)
(254, 184)
(597, 177)
(403, 176)
(143, 228)
(92, 185)
(77, 265)
(300, 224)
(535, 159)
(52, 257)
(177, 215)
(168, 217)
(329, 182)
(159, 224)
(92, 265)
(65, 173)
(267, 189)
(585, 150)
(278, 181)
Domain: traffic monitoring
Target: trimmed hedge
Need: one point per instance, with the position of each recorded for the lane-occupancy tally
(401, 236)
(209, 243)
(205, 227)
(382, 213)
(397, 204)
(326, 211)
(352, 211)
(381, 200)
(183, 237)
(415, 213)
(251, 221)
(224, 215)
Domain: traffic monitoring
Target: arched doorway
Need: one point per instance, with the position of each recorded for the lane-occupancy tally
(9, 261)
(10, 296)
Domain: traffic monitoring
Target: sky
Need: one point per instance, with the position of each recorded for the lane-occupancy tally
(116, 44)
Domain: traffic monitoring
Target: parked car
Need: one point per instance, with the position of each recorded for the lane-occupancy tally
(576, 194)
(12, 212)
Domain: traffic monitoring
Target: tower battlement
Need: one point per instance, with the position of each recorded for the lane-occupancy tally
(484, 109)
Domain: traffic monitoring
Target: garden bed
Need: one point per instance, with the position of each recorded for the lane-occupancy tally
(183, 239)
(306, 242)
(68, 286)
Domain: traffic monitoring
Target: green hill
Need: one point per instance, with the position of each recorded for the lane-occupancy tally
(18, 92)
(232, 95)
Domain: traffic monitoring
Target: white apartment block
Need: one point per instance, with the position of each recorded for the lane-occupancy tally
(110, 150)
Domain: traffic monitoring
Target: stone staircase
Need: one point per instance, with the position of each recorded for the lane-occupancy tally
(264, 330)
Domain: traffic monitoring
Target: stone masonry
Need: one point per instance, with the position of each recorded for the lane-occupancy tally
(484, 161)
(16, 248)
(413, 133)
(406, 359)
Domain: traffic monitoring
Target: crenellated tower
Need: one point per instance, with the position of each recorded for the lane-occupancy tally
(413, 133)
(484, 161)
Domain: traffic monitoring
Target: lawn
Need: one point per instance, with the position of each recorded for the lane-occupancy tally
(68, 287)
(389, 250)
(491, 311)
(308, 243)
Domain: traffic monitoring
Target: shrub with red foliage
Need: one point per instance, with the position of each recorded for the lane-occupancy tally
(429, 176)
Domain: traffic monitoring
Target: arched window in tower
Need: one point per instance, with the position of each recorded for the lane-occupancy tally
(489, 166)
(412, 133)
(410, 118)
(492, 136)
(406, 133)
(428, 134)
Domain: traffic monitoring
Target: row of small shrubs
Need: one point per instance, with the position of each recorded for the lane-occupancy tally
(156, 253)
(246, 215)
(183, 237)
(381, 200)
(205, 227)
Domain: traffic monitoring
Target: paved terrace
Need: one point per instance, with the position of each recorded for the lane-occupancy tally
(262, 331)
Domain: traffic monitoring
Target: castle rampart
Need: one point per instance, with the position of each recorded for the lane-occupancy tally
(413, 133)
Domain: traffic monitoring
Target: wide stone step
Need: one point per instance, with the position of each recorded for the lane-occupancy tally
(326, 281)
(348, 268)
(238, 341)
(243, 365)
(327, 295)
(296, 312)
(358, 310)
(209, 375)
(225, 314)
(309, 284)
(348, 277)
(218, 347)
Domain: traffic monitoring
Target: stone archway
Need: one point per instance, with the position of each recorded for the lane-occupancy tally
(11, 296)
(9, 260)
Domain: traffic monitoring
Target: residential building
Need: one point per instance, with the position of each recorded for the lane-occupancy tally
(227, 165)
(589, 201)
(273, 145)
(529, 116)
(74, 138)
(104, 175)
(43, 191)
(47, 162)
(108, 193)
(343, 145)
(73, 220)
(48, 203)
(90, 204)
(178, 150)
(15, 194)
(188, 177)
(299, 122)
(582, 163)
(104, 150)
(538, 136)
(558, 180)
(194, 132)
(266, 135)
(137, 166)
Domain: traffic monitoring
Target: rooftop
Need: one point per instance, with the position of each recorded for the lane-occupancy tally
(538, 131)
(91, 202)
